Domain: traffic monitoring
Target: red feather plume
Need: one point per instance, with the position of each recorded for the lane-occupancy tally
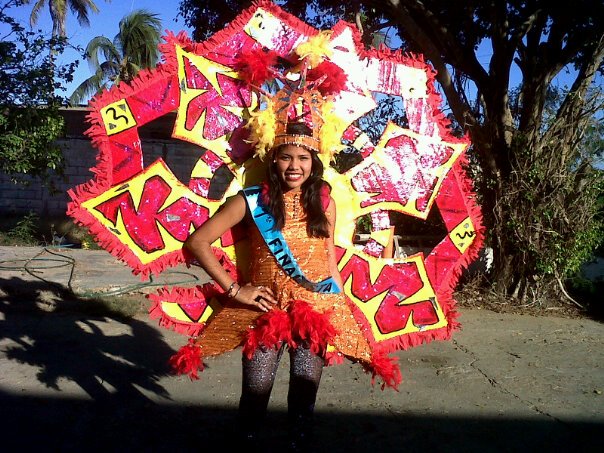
(255, 66)
(335, 78)
(385, 368)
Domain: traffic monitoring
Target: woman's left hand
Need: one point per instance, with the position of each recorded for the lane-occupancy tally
(256, 296)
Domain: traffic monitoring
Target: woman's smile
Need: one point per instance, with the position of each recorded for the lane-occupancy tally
(293, 176)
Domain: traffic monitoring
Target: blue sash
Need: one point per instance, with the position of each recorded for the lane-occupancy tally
(278, 247)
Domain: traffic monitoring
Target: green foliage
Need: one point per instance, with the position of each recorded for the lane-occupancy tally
(24, 232)
(555, 195)
(28, 73)
(27, 147)
(553, 205)
(363, 225)
(30, 121)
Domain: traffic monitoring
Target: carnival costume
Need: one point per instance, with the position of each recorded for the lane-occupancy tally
(221, 92)
(311, 308)
(302, 316)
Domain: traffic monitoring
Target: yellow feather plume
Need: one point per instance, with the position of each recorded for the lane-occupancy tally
(316, 48)
(330, 135)
(262, 125)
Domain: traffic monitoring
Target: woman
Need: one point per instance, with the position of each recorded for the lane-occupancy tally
(293, 300)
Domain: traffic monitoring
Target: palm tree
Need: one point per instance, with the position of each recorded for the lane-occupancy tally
(135, 47)
(58, 13)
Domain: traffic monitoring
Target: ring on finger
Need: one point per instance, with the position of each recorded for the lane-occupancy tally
(258, 299)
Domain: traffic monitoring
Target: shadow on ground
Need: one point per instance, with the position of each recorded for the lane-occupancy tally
(71, 344)
(75, 425)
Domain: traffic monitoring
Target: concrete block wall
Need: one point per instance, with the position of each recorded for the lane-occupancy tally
(80, 156)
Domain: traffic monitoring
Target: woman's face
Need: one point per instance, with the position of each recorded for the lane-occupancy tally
(294, 165)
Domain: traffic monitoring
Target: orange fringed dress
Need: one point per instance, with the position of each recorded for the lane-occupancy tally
(323, 321)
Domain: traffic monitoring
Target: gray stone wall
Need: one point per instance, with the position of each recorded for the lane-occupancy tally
(80, 156)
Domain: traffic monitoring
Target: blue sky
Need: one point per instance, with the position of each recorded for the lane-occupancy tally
(104, 23)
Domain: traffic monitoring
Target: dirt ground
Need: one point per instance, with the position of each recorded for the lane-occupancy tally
(72, 379)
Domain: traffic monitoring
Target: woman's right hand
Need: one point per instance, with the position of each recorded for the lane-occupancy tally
(256, 296)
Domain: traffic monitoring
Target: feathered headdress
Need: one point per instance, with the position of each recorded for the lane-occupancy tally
(305, 97)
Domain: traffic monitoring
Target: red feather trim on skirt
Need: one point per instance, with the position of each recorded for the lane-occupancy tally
(385, 368)
(311, 327)
(187, 360)
(270, 331)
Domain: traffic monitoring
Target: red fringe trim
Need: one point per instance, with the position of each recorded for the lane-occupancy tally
(270, 331)
(103, 169)
(445, 291)
(311, 327)
(387, 369)
(409, 340)
(109, 242)
(201, 295)
(165, 321)
(385, 54)
(187, 360)
(168, 49)
(243, 18)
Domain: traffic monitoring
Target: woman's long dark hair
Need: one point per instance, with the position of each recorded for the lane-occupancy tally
(316, 220)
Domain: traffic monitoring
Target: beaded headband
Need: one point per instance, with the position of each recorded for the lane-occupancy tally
(304, 141)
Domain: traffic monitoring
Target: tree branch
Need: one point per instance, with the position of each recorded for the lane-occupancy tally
(574, 100)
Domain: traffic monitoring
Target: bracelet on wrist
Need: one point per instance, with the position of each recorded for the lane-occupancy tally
(237, 292)
(230, 289)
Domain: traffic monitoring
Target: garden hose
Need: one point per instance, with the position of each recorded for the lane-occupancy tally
(36, 264)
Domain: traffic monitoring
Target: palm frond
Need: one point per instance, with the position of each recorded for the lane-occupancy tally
(101, 44)
(35, 12)
(139, 36)
(134, 47)
(111, 69)
(81, 9)
(88, 88)
(58, 15)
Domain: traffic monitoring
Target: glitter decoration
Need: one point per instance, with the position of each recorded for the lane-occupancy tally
(141, 213)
